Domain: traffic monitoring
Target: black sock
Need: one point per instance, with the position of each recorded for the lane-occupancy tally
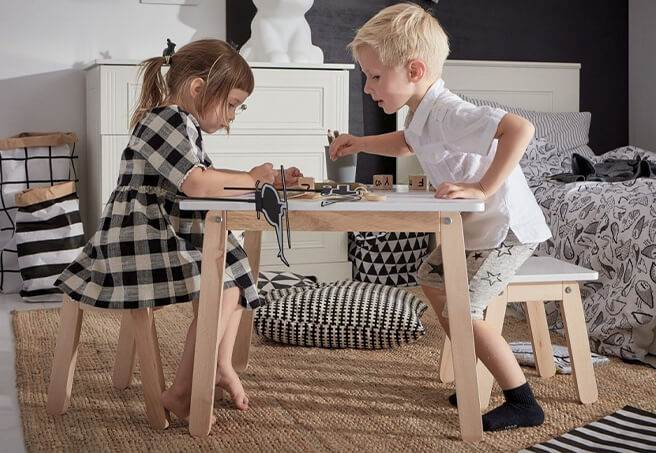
(520, 410)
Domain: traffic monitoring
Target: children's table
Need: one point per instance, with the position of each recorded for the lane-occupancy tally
(403, 210)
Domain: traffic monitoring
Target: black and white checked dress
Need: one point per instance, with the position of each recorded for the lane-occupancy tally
(145, 252)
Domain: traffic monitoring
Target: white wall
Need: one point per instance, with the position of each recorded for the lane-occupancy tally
(642, 73)
(44, 44)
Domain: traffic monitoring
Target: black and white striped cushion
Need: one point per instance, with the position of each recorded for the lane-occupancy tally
(49, 236)
(566, 130)
(347, 314)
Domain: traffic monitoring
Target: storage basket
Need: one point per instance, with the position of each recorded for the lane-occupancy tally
(28, 160)
(387, 258)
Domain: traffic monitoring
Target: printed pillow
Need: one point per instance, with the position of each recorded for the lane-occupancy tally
(566, 130)
(270, 280)
(543, 159)
(343, 314)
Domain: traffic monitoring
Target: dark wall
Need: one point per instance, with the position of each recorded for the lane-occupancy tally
(591, 32)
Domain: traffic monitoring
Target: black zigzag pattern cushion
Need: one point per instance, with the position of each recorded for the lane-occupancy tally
(347, 314)
(387, 258)
(269, 280)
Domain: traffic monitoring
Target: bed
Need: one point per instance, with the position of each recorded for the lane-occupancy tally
(608, 227)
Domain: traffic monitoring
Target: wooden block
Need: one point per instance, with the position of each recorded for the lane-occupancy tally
(383, 182)
(306, 183)
(417, 182)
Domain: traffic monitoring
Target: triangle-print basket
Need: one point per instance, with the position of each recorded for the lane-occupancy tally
(387, 258)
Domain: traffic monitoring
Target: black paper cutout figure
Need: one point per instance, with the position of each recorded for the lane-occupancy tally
(267, 201)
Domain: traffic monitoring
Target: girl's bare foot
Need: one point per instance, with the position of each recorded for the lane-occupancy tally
(179, 405)
(228, 380)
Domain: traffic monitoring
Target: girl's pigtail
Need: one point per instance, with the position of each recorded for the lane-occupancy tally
(153, 89)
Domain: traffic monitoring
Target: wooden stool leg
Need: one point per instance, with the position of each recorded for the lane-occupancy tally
(540, 340)
(494, 316)
(125, 353)
(241, 351)
(152, 377)
(577, 341)
(63, 364)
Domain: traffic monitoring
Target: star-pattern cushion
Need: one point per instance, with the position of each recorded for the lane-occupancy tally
(343, 314)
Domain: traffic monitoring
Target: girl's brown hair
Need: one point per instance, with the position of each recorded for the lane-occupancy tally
(214, 61)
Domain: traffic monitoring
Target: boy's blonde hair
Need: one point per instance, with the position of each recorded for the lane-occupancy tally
(214, 61)
(402, 32)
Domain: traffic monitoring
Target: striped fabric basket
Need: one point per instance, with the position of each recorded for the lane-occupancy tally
(49, 235)
(28, 160)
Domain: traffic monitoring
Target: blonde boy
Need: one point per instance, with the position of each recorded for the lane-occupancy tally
(467, 152)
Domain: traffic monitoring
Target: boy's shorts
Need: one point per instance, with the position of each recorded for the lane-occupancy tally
(489, 271)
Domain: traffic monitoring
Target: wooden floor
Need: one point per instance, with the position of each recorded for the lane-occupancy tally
(11, 429)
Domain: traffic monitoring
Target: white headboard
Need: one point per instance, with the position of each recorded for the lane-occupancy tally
(549, 87)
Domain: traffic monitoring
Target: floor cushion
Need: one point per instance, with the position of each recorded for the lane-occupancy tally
(343, 314)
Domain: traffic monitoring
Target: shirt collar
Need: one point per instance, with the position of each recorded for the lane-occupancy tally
(425, 106)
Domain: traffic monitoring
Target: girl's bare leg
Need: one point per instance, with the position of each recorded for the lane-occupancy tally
(177, 398)
(226, 376)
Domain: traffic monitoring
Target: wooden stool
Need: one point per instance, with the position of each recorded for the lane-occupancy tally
(538, 280)
(137, 332)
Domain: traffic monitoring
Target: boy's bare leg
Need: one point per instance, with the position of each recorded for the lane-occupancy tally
(226, 376)
(520, 408)
(491, 347)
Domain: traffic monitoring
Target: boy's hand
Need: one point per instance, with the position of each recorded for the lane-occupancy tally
(344, 145)
(263, 173)
(291, 177)
(461, 190)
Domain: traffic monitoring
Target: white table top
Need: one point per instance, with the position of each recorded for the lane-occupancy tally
(400, 199)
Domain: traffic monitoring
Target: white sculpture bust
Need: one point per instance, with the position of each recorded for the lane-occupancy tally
(280, 33)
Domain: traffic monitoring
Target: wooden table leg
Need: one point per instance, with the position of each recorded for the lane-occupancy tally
(252, 247)
(207, 330)
(460, 325)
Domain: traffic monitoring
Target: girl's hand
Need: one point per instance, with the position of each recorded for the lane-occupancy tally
(291, 177)
(344, 145)
(263, 173)
(461, 190)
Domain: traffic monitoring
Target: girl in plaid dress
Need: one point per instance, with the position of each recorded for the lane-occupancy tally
(145, 252)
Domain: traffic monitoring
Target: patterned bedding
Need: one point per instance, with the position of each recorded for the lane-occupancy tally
(608, 227)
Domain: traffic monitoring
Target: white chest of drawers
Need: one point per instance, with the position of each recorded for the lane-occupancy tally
(285, 124)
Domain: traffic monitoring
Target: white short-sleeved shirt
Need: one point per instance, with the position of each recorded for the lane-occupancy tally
(454, 142)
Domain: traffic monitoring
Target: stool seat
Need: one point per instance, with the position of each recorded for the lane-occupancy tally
(538, 280)
(543, 269)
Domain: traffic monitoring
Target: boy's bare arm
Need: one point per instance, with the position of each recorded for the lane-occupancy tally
(390, 144)
(514, 134)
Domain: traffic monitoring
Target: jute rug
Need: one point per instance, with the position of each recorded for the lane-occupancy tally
(301, 399)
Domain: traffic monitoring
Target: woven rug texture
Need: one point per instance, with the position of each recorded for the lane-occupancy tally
(301, 399)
